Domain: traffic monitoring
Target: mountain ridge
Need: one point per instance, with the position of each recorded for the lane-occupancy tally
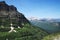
(10, 13)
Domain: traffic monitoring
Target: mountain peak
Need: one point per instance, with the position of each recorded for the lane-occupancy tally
(2, 2)
(6, 7)
(10, 14)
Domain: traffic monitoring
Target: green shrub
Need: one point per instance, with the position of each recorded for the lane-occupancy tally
(28, 32)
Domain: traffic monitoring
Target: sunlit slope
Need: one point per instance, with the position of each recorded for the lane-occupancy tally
(28, 32)
(54, 36)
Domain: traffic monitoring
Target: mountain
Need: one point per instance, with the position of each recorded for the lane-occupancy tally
(55, 20)
(10, 19)
(9, 14)
(48, 25)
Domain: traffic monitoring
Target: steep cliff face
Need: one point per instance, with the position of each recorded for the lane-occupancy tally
(9, 14)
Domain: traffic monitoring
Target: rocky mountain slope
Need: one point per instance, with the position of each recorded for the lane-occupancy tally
(9, 14)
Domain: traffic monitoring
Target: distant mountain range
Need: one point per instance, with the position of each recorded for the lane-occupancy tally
(50, 25)
(44, 19)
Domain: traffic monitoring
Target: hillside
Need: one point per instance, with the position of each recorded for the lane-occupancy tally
(28, 32)
(15, 26)
(54, 36)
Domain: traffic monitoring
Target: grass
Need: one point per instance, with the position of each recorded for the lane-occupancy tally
(28, 32)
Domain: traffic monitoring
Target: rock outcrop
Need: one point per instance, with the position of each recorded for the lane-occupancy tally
(9, 14)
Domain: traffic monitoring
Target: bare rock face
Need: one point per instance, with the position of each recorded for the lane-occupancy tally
(9, 14)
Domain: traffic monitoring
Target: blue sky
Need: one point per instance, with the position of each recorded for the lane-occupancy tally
(37, 8)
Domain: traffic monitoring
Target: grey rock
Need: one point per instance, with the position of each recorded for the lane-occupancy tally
(9, 14)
